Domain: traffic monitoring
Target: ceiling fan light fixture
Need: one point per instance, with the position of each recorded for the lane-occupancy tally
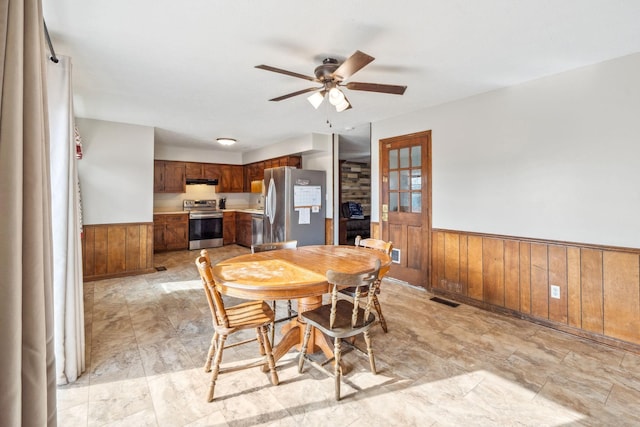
(342, 106)
(316, 99)
(336, 97)
(226, 141)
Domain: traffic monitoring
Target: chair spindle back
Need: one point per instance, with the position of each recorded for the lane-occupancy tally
(216, 305)
(339, 279)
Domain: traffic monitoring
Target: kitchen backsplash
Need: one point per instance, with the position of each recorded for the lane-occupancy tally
(170, 201)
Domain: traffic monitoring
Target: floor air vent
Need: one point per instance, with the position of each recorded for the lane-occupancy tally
(161, 268)
(445, 302)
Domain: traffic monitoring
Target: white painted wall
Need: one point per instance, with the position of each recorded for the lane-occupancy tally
(305, 144)
(556, 158)
(116, 172)
(192, 154)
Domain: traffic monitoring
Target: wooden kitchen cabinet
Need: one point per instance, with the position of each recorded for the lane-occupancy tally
(228, 228)
(255, 171)
(295, 161)
(243, 229)
(195, 170)
(168, 177)
(170, 232)
(231, 179)
(211, 171)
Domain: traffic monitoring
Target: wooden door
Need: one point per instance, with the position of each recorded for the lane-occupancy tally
(405, 214)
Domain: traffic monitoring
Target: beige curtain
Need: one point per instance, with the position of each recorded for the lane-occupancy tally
(68, 301)
(27, 364)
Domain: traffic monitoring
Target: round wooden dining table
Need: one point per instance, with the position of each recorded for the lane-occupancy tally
(293, 274)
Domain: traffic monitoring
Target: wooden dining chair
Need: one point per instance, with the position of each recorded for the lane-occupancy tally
(380, 245)
(227, 320)
(342, 318)
(264, 247)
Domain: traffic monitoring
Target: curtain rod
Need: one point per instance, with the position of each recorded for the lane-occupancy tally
(53, 56)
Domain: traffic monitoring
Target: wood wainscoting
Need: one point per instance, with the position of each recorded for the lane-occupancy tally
(599, 285)
(375, 230)
(328, 231)
(116, 250)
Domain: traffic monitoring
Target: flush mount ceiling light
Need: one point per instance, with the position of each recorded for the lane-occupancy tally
(226, 141)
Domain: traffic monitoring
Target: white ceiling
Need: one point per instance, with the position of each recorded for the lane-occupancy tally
(187, 67)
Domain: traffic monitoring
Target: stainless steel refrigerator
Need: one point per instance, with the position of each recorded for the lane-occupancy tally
(294, 206)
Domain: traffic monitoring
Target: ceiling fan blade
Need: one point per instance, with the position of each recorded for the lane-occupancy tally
(300, 92)
(375, 87)
(288, 73)
(352, 65)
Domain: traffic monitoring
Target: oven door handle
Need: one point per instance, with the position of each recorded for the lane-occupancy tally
(203, 216)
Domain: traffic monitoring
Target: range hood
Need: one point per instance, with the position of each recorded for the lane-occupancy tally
(202, 181)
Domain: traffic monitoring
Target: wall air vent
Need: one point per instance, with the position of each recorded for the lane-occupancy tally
(395, 256)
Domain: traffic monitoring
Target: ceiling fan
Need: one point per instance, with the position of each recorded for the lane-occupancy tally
(332, 75)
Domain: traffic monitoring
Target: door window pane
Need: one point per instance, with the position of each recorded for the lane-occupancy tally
(393, 180)
(393, 202)
(404, 202)
(416, 179)
(404, 179)
(393, 159)
(415, 156)
(404, 157)
(416, 202)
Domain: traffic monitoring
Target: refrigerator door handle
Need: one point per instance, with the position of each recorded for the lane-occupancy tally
(270, 204)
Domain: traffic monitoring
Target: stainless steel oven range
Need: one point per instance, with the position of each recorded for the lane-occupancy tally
(205, 224)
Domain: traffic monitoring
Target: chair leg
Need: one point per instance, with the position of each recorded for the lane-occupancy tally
(372, 362)
(216, 366)
(289, 311)
(269, 354)
(338, 372)
(260, 341)
(273, 324)
(303, 350)
(212, 349)
(383, 322)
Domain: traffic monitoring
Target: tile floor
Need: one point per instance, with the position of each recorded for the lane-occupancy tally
(147, 338)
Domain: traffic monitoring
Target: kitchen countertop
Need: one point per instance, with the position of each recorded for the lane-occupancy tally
(247, 210)
(176, 211)
(168, 211)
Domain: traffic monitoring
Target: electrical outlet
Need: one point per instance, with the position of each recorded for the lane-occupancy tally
(555, 291)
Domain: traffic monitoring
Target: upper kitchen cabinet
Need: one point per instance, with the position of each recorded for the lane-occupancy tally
(255, 171)
(211, 171)
(168, 177)
(295, 161)
(231, 179)
(202, 170)
(194, 170)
